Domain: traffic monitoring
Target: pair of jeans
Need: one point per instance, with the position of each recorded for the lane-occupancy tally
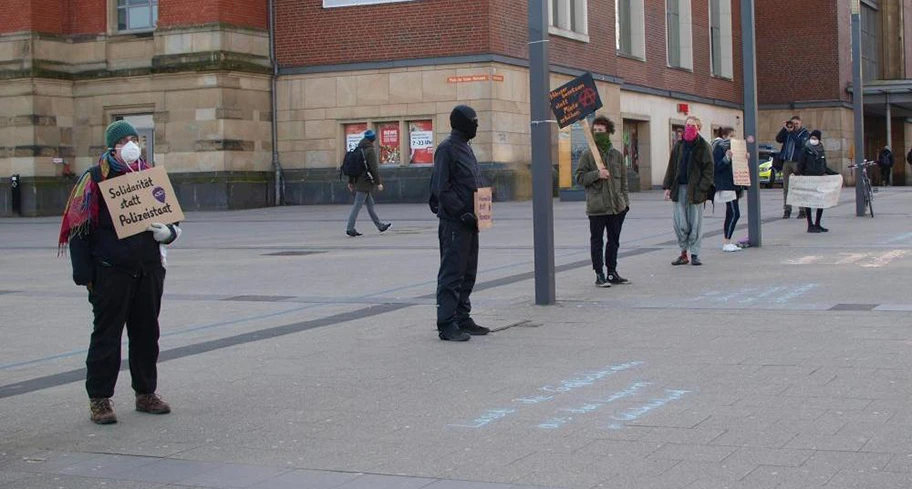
(599, 227)
(788, 169)
(360, 199)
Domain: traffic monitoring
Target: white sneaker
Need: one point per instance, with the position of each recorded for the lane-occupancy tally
(730, 248)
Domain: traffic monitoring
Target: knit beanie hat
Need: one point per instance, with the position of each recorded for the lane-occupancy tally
(815, 134)
(117, 131)
(370, 135)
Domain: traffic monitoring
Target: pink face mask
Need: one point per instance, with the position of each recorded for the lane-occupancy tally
(690, 133)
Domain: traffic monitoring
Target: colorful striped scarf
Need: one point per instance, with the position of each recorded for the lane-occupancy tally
(81, 212)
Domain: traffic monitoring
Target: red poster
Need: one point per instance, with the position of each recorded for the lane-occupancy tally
(389, 143)
(353, 135)
(421, 142)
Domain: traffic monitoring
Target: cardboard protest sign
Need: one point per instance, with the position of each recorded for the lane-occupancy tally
(814, 192)
(484, 209)
(740, 170)
(137, 199)
(574, 101)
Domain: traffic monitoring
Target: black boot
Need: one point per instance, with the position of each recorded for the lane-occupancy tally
(469, 326)
(451, 332)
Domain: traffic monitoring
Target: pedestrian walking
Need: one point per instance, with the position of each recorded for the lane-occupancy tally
(365, 184)
(454, 181)
(793, 137)
(124, 279)
(813, 163)
(688, 179)
(607, 202)
(726, 191)
(885, 161)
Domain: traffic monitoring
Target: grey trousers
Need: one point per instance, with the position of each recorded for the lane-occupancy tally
(360, 199)
(688, 223)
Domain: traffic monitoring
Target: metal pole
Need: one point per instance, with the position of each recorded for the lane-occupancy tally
(749, 56)
(890, 138)
(858, 106)
(542, 199)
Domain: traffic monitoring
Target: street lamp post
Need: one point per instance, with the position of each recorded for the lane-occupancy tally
(542, 198)
(858, 106)
(749, 55)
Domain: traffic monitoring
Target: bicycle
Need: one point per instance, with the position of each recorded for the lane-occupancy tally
(867, 189)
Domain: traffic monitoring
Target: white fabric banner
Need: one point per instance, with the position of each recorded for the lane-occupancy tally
(814, 192)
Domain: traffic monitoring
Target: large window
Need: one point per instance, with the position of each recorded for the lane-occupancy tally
(630, 28)
(569, 18)
(870, 35)
(679, 34)
(673, 31)
(720, 38)
(136, 15)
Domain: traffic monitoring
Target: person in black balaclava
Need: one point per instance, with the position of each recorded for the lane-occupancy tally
(454, 181)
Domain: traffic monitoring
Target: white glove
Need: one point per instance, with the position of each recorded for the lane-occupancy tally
(161, 232)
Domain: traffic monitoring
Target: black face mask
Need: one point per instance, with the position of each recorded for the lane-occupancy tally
(464, 120)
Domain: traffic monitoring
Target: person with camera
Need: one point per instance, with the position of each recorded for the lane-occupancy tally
(794, 138)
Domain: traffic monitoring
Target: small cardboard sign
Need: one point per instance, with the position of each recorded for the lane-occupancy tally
(740, 169)
(575, 100)
(484, 209)
(137, 199)
(815, 192)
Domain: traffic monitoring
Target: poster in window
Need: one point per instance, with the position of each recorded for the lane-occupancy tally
(389, 143)
(353, 135)
(421, 142)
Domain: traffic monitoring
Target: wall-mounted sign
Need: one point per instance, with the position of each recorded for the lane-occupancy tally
(421, 142)
(353, 135)
(352, 3)
(474, 78)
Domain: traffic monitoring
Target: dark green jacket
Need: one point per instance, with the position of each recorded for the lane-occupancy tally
(362, 183)
(700, 171)
(603, 196)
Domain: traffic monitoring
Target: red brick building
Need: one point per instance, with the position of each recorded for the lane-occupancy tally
(805, 67)
(196, 79)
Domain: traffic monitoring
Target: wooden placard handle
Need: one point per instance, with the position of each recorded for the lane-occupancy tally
(592, 146)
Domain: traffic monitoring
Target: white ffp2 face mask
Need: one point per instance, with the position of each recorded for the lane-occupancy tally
(130, 152)
(814, 142)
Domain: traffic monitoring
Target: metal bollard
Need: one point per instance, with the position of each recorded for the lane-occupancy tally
(16, 194)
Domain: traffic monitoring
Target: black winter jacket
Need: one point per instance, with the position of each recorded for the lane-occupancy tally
(812, 162)
(455, 178)
(100, 246)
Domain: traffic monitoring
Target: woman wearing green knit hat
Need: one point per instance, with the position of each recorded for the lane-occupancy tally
(124, 278)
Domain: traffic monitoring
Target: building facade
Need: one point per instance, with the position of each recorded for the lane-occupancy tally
(804, 67)
(197, 79)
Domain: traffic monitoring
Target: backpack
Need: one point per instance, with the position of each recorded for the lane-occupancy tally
(353, 164)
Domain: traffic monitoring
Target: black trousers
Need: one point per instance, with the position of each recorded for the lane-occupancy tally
(599, 227)
(458, 268)
(122, 297)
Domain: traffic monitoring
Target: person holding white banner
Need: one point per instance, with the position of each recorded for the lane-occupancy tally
(812, 163)
(726, 191)
(124, 279)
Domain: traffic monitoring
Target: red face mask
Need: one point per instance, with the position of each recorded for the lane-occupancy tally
(690, 133)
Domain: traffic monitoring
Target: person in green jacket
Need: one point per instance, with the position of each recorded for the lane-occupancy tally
(606, 201)
(364, 185)
(688, 179)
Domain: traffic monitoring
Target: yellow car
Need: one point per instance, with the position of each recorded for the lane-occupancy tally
(767, 175)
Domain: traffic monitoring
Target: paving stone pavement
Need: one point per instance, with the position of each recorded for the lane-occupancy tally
(296, 357)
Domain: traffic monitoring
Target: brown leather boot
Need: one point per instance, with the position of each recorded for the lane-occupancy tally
(152, 404)
(102, 410)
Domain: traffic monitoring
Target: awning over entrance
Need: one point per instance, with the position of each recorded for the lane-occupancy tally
(878, 93)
